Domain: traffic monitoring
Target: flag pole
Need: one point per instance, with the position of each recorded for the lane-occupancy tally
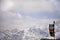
(54, 29)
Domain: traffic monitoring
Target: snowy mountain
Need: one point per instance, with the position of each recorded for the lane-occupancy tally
(26, 34)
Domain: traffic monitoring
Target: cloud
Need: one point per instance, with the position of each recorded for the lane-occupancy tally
(56, 4)
(6, 5)
(30, 7)
(39, 5)
(26, 5)
(13, 7)
(10, 20)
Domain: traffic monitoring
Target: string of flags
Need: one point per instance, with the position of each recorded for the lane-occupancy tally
(52, 29)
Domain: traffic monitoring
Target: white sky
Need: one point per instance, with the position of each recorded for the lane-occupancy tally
(27, 5)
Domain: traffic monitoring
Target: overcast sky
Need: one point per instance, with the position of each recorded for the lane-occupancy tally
(34, 8)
